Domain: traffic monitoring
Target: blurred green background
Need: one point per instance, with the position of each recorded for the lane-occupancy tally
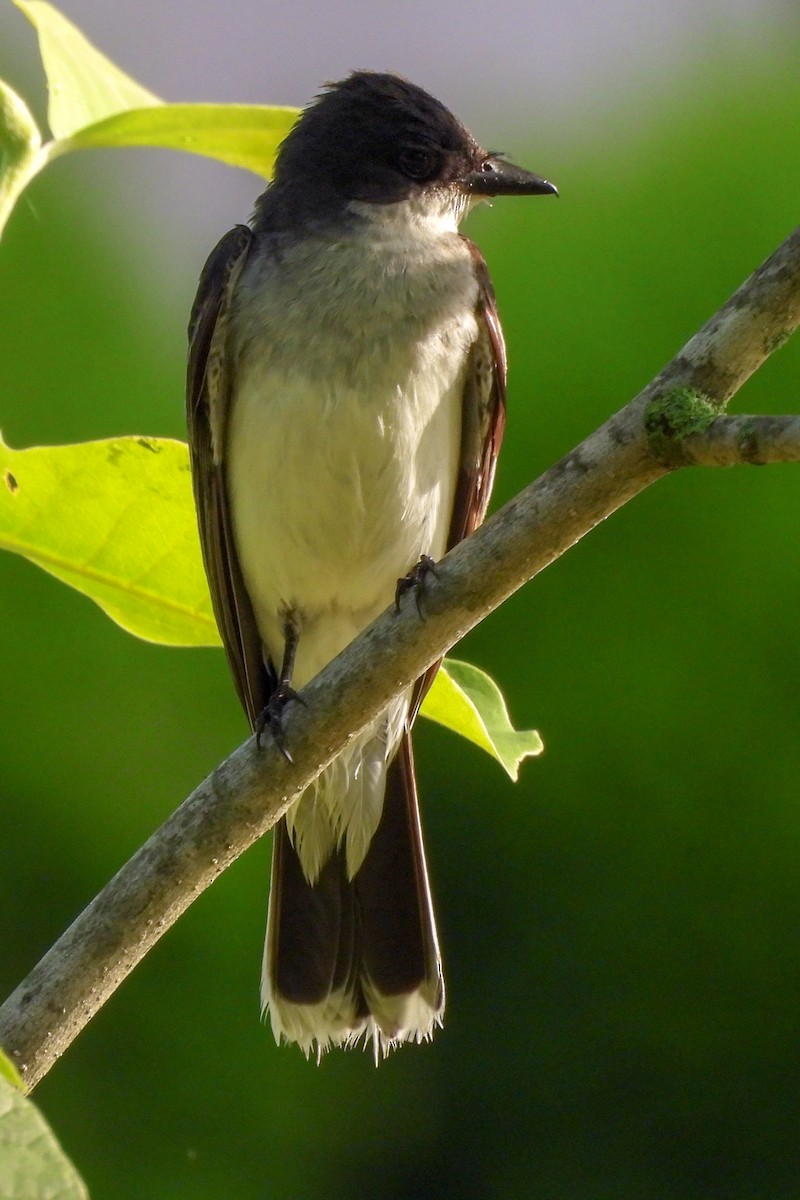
(621, 929)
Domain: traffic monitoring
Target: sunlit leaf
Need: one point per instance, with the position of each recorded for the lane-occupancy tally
(32, 1164)
(10, 1072)
(469, 702)
(19, 133)
(241, 135)
(115, 520)
(20, 153)
(84, 86)
(93, 103)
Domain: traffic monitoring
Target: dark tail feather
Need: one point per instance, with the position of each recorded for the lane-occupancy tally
(311, 929)
(400, 967)
(350, 957)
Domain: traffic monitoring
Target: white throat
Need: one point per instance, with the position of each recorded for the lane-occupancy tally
(432, 214)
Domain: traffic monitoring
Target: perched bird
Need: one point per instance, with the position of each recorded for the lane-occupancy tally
(346, 402)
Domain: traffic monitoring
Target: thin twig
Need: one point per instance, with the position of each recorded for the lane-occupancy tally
(729, 441)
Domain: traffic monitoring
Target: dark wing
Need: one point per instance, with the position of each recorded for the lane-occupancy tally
(483, 420)
(484, 411)
(208, 386)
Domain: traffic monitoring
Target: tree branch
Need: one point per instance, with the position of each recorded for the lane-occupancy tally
(730, 441)
(675, 421)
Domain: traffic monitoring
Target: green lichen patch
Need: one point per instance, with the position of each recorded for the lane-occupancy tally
(673, 416)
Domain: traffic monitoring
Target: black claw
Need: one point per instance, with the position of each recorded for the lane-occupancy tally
(416, 581)
(271, 717)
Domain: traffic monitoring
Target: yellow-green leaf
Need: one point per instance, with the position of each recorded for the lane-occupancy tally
(20, 149)
(19, 133)
(93, 103)
(469, 702)
(242, 135)
(10, 1072)
(32, 1164)
(84, 86)
(115, 520)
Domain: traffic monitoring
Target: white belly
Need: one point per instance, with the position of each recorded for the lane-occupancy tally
(348, 355)
(339, 485)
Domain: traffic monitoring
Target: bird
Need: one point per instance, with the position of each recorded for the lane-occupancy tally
(346, 396)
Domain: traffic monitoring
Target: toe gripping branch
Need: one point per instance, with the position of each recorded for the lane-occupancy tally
(417, 581)
(271, 716)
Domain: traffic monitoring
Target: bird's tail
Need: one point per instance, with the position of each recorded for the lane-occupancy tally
(351, 957)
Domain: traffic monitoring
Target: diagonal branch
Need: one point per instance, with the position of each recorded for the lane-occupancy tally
(675, 421)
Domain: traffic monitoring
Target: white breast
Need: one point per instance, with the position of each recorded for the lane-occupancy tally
(344, 435)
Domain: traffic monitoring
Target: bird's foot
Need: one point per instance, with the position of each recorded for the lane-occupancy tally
(416, 580)
(271, 717)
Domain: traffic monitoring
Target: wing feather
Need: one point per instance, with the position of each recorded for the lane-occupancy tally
(482, 425)
(208, 390)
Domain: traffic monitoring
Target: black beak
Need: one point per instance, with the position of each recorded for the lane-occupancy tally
(496, 177)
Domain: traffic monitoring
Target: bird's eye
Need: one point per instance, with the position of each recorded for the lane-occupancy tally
(488, 167)
(418, 162)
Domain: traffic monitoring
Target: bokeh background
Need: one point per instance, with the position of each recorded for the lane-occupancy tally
(622, 928)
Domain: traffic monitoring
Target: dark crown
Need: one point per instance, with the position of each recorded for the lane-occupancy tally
(377, 137)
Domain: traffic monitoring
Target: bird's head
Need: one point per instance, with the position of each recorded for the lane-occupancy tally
(377, 138)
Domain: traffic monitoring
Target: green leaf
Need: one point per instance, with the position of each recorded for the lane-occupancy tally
(20, 149)
(242, 135)
(19, 133)
(9, 1071)
(469, 702)
(32, 1164)
(115, 520)
(93, 103)
(83, 84)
